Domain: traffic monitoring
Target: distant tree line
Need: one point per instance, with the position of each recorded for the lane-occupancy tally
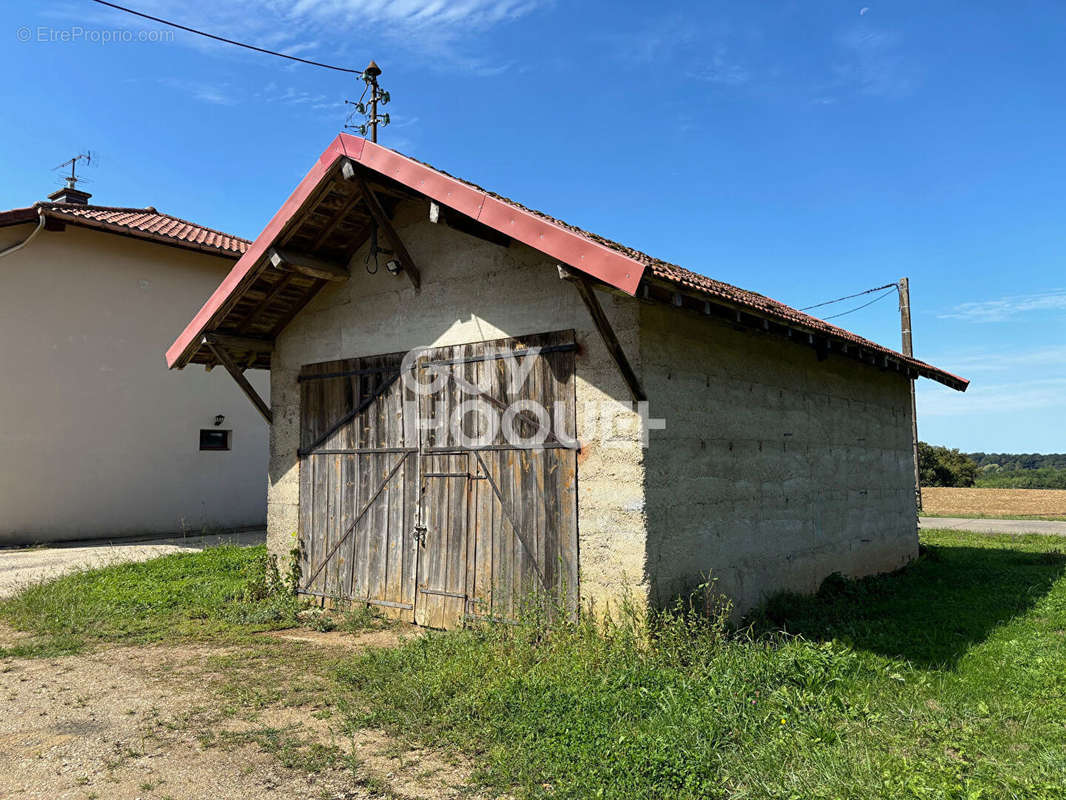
(1016, 461)
(942, 466)
(1043, 478)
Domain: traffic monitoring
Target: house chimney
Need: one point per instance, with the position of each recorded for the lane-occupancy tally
(69, 194)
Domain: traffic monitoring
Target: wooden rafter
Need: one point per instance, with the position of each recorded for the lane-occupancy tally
(337, 219)
(351, 172)
(271, 296)
(295, 308)
(218, 350)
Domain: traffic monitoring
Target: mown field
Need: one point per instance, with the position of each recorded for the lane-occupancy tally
(1022, 503)
(943, 681)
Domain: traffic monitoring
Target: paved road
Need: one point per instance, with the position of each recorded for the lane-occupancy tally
(21, 567)
(1047, 527)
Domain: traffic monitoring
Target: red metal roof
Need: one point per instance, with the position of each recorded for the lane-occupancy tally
(613, 263)
(141, 223)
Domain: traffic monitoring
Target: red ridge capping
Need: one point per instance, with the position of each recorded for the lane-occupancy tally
(569, 247)
(189, 340)
(524, 226)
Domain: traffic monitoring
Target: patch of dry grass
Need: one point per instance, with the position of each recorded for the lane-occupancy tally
(1023, 503)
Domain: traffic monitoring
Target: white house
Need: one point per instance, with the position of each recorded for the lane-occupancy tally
(97, 437)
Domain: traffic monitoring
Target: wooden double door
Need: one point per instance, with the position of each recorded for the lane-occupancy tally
(442, 485)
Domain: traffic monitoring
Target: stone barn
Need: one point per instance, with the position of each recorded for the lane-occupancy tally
(472, 401)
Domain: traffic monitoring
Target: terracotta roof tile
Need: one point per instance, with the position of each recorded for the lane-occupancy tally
(149, 224)
(679, 276)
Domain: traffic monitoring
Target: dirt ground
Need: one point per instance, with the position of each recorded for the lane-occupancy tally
(144, 722)
(995, 502)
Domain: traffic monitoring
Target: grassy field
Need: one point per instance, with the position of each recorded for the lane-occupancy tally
(945, 680)
(1005, 503)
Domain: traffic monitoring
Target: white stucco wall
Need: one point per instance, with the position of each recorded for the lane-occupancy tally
(97, 437)
(475, 291)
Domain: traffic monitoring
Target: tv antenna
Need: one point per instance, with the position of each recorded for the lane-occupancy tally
(368, 109)
(73, 178)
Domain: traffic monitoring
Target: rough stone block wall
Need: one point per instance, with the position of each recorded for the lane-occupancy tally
(774, 469)
(474, 291)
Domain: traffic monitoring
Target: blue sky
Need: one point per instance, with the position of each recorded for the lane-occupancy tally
(805, 150)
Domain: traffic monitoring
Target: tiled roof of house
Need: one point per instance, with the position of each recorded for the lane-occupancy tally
(142, 223)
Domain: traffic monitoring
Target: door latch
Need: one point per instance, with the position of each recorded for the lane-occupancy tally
(420, 534)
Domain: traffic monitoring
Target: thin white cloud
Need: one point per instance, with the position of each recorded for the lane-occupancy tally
(875, 62)
(433, 31)
(1051, 356)
(411, 13)
(1005, 308)
(221, 94)
(721, 69)
(999, 398)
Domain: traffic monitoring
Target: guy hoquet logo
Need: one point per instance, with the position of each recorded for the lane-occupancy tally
(523, 422)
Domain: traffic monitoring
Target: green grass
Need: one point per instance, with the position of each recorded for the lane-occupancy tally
(219, 591)
(945, 680)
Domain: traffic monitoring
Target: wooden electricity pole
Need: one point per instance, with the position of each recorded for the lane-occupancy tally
(904, 286)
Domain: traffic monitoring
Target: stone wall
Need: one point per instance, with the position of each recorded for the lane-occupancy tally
(774, 469)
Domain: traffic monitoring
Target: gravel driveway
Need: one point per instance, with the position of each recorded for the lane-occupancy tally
(1016, 526)
(19, 567)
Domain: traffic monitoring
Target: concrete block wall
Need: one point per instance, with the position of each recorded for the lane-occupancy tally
(474, 291)
(774, 469)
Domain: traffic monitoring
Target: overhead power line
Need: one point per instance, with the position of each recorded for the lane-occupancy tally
(850, 296)
(225, 40)
(891, 290)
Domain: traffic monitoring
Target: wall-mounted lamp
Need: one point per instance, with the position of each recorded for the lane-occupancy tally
(393, 266)
(219, 419)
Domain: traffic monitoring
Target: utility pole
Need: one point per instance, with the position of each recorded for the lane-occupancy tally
(368, 110)
(904, 287)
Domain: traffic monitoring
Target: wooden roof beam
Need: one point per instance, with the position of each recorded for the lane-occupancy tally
(308, 265)
(251, 344)
(350, 172)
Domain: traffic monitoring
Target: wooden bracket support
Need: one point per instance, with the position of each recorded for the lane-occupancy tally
(307, 265)
(214, 343)
(603, 325)
(350, 172)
